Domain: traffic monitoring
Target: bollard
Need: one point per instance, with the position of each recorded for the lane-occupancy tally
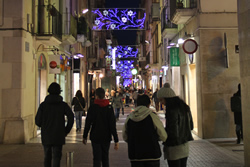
(69, 159)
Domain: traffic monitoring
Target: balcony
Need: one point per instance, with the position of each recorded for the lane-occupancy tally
(155, 12)
(184, 12)
(70, 36)
(168, 29)
(49, 25)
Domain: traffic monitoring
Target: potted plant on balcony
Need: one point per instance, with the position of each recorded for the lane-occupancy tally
(179, 4)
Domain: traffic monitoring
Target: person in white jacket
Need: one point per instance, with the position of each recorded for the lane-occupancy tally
(142, 131)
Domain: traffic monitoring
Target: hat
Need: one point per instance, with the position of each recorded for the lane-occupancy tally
(165, 92)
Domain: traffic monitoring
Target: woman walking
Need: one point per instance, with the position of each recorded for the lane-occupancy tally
(179, 124)
(117, 104)
(79, 104)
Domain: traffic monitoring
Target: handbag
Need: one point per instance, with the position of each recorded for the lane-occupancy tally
(84, 114)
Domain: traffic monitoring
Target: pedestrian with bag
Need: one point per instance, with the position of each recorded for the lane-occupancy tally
(117, 104)
(51, 118)
(79, 104)
(179, 124)
(142, 131)
(100, 121)
(236, 109)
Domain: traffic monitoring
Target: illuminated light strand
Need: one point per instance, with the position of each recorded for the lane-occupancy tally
(126, 52)
(117, 19)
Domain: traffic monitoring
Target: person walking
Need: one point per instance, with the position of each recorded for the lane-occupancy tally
(107, 94)
(92, 96)
(236, 109)
(179, 124)
(51, 118)
(134, 96)
(155, 99)
(117, 104)
(142, 131)
(127, 98)
(101, 120)
(79, 104)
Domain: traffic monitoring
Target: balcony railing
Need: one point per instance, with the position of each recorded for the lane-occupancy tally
(73, 26)
(165, 19)
(49, 22)
(184, 11)
(82, 26)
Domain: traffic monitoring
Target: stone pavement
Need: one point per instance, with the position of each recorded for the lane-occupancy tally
(203, 153)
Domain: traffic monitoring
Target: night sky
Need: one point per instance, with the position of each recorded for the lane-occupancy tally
(124, 37)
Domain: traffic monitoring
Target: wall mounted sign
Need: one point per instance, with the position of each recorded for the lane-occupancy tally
(174, 56)
(190, 46)
(54, 64)
(118, 19)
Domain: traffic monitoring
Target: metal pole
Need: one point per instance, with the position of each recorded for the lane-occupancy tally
(69, 159)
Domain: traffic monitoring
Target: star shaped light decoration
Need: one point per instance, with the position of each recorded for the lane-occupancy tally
(118, 19)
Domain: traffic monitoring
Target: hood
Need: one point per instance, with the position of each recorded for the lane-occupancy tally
(102, 102)
(140, 113)
(53, 99)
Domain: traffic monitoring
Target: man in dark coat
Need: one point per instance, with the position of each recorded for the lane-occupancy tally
(51, 118)
(101, 123)
(236, 109)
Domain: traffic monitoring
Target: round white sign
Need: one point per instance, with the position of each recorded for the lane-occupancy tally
(190, 46)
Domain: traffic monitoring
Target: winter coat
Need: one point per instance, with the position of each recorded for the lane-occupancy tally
(51, 118)
(179, 124)
(142, 131)
(135, 95)
(101, 120)
(76, 103)
(238, 115)
(155, 97)
(117, 102)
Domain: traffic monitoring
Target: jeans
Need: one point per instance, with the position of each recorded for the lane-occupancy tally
(145, 163)
(52, 151)
(178, 163)
(100, 154)
(78, 115)
(135, 102)
(117, 112)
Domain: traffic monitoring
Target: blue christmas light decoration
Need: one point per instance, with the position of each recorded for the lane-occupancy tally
(126, 52)
(117, 19)
(126, 82)
(124, 68)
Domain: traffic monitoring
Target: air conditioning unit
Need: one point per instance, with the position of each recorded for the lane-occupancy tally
(155, 11)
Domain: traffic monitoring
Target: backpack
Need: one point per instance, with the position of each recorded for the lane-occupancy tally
(235, 103)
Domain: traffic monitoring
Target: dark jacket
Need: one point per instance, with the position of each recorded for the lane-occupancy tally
(179, 124)
(101, 120)
(154, 96)
(142, 131)
(50, 117)
(76, 103)
(238, 115)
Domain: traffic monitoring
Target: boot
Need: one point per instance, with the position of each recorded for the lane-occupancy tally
(238, 137)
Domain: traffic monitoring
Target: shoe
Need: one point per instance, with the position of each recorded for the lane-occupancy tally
(238, 141)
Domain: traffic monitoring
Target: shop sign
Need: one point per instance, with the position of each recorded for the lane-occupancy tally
(108, 63)
(174, 56)
(54, 64)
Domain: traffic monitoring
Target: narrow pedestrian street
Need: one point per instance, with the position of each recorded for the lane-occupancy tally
(203, 153)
